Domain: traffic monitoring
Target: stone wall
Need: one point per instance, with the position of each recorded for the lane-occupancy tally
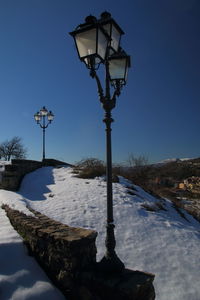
(68, 255)
(13, 174)
(62, 251)
(54, 162)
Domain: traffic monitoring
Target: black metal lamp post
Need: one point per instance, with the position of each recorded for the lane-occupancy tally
(44, 118)
(98, 41)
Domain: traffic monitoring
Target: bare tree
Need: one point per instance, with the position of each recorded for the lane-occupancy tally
(139, 161)
(13, 148)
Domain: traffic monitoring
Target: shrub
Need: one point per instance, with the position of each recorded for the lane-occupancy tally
(90, 168)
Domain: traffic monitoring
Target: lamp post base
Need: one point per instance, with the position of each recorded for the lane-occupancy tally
(110, 264)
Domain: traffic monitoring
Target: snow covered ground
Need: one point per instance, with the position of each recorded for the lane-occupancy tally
(161, 242)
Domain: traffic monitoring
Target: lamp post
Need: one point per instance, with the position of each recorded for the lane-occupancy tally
(44, 118)
(98, 42)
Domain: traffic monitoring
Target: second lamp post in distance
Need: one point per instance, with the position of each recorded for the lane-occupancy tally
(44, 118)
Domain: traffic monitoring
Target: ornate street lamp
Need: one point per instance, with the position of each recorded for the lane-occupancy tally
(44, 118)
(98, 42)
(91, 42)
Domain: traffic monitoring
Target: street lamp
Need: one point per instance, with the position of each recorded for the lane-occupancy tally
(44, 118)
(98, 42)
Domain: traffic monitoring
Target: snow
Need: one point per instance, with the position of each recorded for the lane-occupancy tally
(170, 160)
(2, 167)
(4, 162)
(161, 242)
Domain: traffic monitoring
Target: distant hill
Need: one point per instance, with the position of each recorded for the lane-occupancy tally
(168, 179)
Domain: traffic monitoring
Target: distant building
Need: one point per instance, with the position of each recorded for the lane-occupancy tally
(190, 183)
(182, 186)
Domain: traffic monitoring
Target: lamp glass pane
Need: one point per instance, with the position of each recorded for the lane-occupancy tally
(115, 36)
(117, 68)
(50, 117)
(86, 42)
(107, 28)
(43, 111)
(37, 117)
(102, 44)
(126, 74)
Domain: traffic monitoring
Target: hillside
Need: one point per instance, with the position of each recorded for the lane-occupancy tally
(152, 235)
(175, 179)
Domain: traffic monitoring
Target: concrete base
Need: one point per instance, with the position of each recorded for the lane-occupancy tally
(126, 285)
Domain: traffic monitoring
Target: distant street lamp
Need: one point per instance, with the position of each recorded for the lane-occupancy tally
(44, 118)
(98, 41)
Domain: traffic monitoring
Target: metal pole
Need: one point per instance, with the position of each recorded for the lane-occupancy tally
(110, 262)
(108, 121)
(43, 156)
(43, 128)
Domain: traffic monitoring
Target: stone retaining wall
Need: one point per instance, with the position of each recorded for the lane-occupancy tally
(68, 255)
(62, 251)
(13, 174)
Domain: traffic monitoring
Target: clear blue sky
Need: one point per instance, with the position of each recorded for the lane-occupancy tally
(158, 112)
